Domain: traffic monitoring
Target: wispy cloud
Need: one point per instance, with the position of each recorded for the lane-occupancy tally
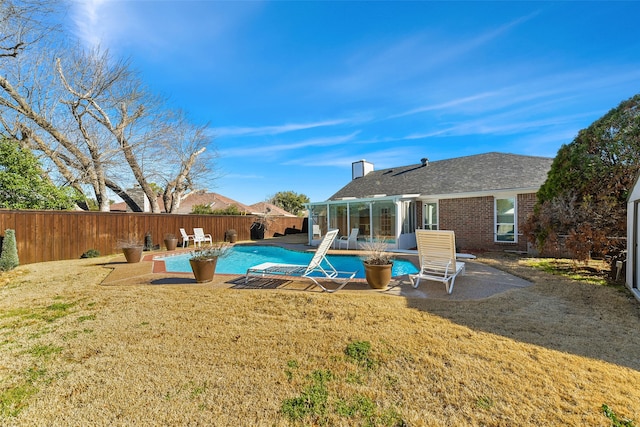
(445, 105)
(417, 55)
(274, 150)
(504, 124)
(159, 29)
(277, 129)
(86, 18)
(386, 157)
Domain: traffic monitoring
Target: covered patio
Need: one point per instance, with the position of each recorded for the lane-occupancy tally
(391, 219)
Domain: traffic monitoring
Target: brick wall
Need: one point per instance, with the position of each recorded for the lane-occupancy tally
(472, 219)
(526, 202)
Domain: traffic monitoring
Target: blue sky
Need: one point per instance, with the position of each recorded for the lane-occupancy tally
(295, 91)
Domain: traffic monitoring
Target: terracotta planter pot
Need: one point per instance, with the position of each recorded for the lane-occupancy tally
(203, 270)
(378, 276)
(133, 254)
(171, 244)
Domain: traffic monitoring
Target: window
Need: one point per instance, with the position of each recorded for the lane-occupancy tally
(338, 218)
(505, 219)
(408, 217)
(430, 215)
(319, 217)
(359, 218)
(384, 219)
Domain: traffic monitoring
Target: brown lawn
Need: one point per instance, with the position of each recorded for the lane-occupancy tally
(73, 352)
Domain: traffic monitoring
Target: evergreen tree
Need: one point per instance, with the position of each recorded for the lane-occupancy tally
(23, 183)
(584, 197)
(9, 255)
(290, 201)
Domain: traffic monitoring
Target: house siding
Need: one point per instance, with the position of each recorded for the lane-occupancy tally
(472, 219)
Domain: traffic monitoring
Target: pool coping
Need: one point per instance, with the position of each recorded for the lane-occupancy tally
(159, 265)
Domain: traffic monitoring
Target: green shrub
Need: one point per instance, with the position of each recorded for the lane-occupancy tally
(359, 352)
(91, 253)
(313, 402)
(9, 255)
(229, 210)
(201, 209)
(615, 420)
(206, 210)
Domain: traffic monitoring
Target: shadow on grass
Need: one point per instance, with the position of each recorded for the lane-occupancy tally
(270, 283)
(598, 322)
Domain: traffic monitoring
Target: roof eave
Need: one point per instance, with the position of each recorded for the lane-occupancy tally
(484, 193)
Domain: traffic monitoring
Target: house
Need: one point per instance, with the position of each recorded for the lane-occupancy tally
(633, 238)
(484, 198)
(140, 198)
(263, 208)
(213, 200)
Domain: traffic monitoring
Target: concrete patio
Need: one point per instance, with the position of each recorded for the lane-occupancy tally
(480, 281)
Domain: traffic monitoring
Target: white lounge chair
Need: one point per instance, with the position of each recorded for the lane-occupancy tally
(350, 241)
(199, 237)
(185, 237)
(319, 268)
(437, 255)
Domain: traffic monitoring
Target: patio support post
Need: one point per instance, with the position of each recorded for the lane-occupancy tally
(371, 221)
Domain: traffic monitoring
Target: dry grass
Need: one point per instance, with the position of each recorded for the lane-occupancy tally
(76, 353)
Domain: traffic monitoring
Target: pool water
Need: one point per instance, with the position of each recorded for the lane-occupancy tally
(241, 258)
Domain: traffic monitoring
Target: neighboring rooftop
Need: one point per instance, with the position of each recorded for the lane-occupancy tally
(214, 200)
(263, 207)
(470, 174)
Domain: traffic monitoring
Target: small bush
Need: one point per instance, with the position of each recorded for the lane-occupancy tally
(313, 402)
(91, 253)
(9, 256)
(201, 210)
(358, 352)
(615, 420)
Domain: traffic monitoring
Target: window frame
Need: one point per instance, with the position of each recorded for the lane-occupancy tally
(497, 223)
(424, 215)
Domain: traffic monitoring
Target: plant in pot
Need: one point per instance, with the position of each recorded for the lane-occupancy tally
(377, 263)
(131, 248)
(262, 222)
(203, 260)
(231, 236)
(170, 241)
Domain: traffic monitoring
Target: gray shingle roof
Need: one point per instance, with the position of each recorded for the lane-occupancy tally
(470, 174)
(264, 207)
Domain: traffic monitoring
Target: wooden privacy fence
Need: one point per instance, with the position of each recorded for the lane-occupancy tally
(56, 235)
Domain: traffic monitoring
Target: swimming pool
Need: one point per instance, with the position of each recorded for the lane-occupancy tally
(240, 258)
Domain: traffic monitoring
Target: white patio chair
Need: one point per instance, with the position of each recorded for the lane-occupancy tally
(316, 231)
(437, 256)
(350, 241)
(199, 237)
(186, 237)
(319, 268)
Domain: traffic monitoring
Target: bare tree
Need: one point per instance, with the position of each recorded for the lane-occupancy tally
(21, 25)
(92, 118)
(185, 161)
(142, 131)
